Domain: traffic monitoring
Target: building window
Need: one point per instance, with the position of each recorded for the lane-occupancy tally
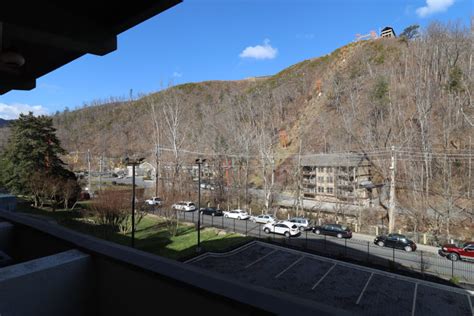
(329, 169)
(321, 169)
(330, 180)
(330, 190)
(320, 189)
(321, 179)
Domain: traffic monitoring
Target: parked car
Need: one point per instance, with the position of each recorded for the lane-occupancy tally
(238, 214)
(300, 222)
(395, 241)
(463, 251)
(154, 201)
(213, 211)
(282, 228)
(208, 186)
(263, 219)
(336, 230)
(184, 206)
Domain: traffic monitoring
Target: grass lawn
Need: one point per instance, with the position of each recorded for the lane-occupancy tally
(151, 234)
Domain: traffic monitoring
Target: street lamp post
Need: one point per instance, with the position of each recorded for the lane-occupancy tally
(199, 162)
(133, 163)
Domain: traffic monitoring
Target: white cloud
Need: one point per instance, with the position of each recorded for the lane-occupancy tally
(13, 111)
(265, 51)
(177, 74)
(434, 6)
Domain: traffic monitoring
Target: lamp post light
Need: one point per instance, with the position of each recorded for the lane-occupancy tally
(133, 162)
(199, 162)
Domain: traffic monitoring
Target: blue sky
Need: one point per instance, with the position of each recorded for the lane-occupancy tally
(200, 40)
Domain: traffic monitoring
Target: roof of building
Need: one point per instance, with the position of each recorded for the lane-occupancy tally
(335, 160)
(40, 36)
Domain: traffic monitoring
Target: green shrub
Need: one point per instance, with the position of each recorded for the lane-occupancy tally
(454, 280)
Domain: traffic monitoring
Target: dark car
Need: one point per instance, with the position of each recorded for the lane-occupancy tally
(213, 211)
(463, 251)
(336, 230)
(395, 241)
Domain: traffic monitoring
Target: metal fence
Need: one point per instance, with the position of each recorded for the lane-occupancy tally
(426, 263)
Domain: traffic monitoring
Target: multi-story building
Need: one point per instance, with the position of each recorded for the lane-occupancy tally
(336, 176)
(387, 32)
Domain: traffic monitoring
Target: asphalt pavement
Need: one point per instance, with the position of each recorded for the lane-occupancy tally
(357, 248)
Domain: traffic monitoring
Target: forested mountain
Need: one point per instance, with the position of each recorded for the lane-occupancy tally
(367, 96)
(3, 122)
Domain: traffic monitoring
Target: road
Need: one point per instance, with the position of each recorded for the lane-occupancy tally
(427, 262)
(139, 182)
(282, 199)
(287, 200)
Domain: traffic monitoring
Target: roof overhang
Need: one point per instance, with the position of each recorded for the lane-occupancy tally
(38, 37)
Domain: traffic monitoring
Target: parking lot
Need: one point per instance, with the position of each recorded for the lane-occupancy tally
(356, 289)
(424, 262)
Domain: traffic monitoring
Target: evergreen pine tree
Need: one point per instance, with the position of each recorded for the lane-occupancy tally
(32, 149)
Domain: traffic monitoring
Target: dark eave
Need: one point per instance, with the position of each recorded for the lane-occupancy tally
(50, 34)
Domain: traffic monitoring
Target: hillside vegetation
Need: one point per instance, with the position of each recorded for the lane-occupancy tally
(367, 96)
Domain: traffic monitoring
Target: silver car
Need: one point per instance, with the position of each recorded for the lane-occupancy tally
(263, 219)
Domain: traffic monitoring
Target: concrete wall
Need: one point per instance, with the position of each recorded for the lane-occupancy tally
(6, 230)
(117, 280)
(8, 202)
(60, 284)
(124, 290)
(28, 244)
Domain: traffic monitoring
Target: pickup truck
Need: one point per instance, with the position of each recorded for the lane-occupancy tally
(464, 251)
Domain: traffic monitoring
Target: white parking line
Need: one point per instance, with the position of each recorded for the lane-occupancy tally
(259, 259)
(291, 265)
(370, 270)
(363, 290)
(414, 300)
(470, 303)
(225, 254)
(317, 283)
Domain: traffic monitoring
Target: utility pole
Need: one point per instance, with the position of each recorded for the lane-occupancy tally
(470, 167)
(100, 172)
(199, 162)
(133, 162)
(391, 207)
(157, 170)
(89, 173)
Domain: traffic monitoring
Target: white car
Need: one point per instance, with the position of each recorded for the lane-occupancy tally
(282, 228)
(300, 222)
(238, 214)
(154, 201)
(184, 206)
(263, 218)
(208, 186)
